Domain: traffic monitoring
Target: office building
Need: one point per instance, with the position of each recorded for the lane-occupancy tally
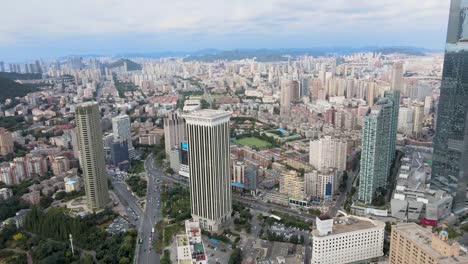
(121, 129)
(2, 66)
(328, 152)
(190, 247)
(151, 137)
(209, 164)
(321, 185)
(89, 133)
(6, 142)
(376, 149)
(184, 162)
(418, 109)
(411, 243)
(452, 121)
(119, 152)
(238, 172)
(174, 131)
(292, 185)
(38, 67)
(59, 164)
(174, 159)
(397, 76)
(289, 94)
(347, 239)
(394, 96)
(251, 179)
(405, 120)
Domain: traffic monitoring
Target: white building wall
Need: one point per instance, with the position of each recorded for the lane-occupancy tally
(348, 247)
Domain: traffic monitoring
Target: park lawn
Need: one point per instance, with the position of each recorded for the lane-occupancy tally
(254, 142)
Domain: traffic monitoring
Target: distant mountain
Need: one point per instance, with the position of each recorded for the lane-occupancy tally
(131, 65)
(167, 54)
(267, 55)
(20, 76)
(10, 89)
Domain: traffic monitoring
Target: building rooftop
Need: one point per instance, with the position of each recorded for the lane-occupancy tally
(182, 241)
(423, 238)
(414, 177)
(207, 114)
(198, 248)
(348, 224)
(87, 104)
(351, 224)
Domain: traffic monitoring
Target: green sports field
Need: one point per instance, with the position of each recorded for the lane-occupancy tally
(253, 142)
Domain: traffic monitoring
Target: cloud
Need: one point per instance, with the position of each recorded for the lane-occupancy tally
(58, 17)
(24, 22)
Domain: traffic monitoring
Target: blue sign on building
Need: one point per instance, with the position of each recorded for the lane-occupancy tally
(328, 190)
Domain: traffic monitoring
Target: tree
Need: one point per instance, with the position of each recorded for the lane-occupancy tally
(124, 260)
(87, 259)
(18, 237)
(276, 111)
(170, 171)
(204, 104)
(294, 239)
(60, 195)
(236, 256)
(378, 200)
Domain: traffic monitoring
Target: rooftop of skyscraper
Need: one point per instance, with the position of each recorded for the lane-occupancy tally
(208, 115)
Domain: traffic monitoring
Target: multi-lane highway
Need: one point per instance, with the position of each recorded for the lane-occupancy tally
(145, 253)
(143, 218)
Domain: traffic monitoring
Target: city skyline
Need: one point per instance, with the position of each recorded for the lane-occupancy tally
(267, 131)
(114, 28)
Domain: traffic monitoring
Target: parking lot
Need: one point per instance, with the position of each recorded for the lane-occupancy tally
(119, 225)
(217, 252)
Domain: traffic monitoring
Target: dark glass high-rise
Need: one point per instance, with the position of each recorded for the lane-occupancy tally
(450, 161)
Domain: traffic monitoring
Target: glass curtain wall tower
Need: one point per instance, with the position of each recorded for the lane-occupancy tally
(449, 151)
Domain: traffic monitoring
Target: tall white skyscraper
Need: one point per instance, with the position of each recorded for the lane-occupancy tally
(397, 76)
(89, 135)
(406, 120)
(210, 180)
(418, 109)
(121, 129)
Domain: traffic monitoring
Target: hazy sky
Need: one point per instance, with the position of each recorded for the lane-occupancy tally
(46, 28)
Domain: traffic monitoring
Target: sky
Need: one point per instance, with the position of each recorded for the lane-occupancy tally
(31, 29)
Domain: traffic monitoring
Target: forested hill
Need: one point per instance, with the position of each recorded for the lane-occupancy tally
(131, 65)
(12, 89)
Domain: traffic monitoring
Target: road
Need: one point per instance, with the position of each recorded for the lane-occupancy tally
(151, 215)
(126, 198)
(339, 202)
(253, 203)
